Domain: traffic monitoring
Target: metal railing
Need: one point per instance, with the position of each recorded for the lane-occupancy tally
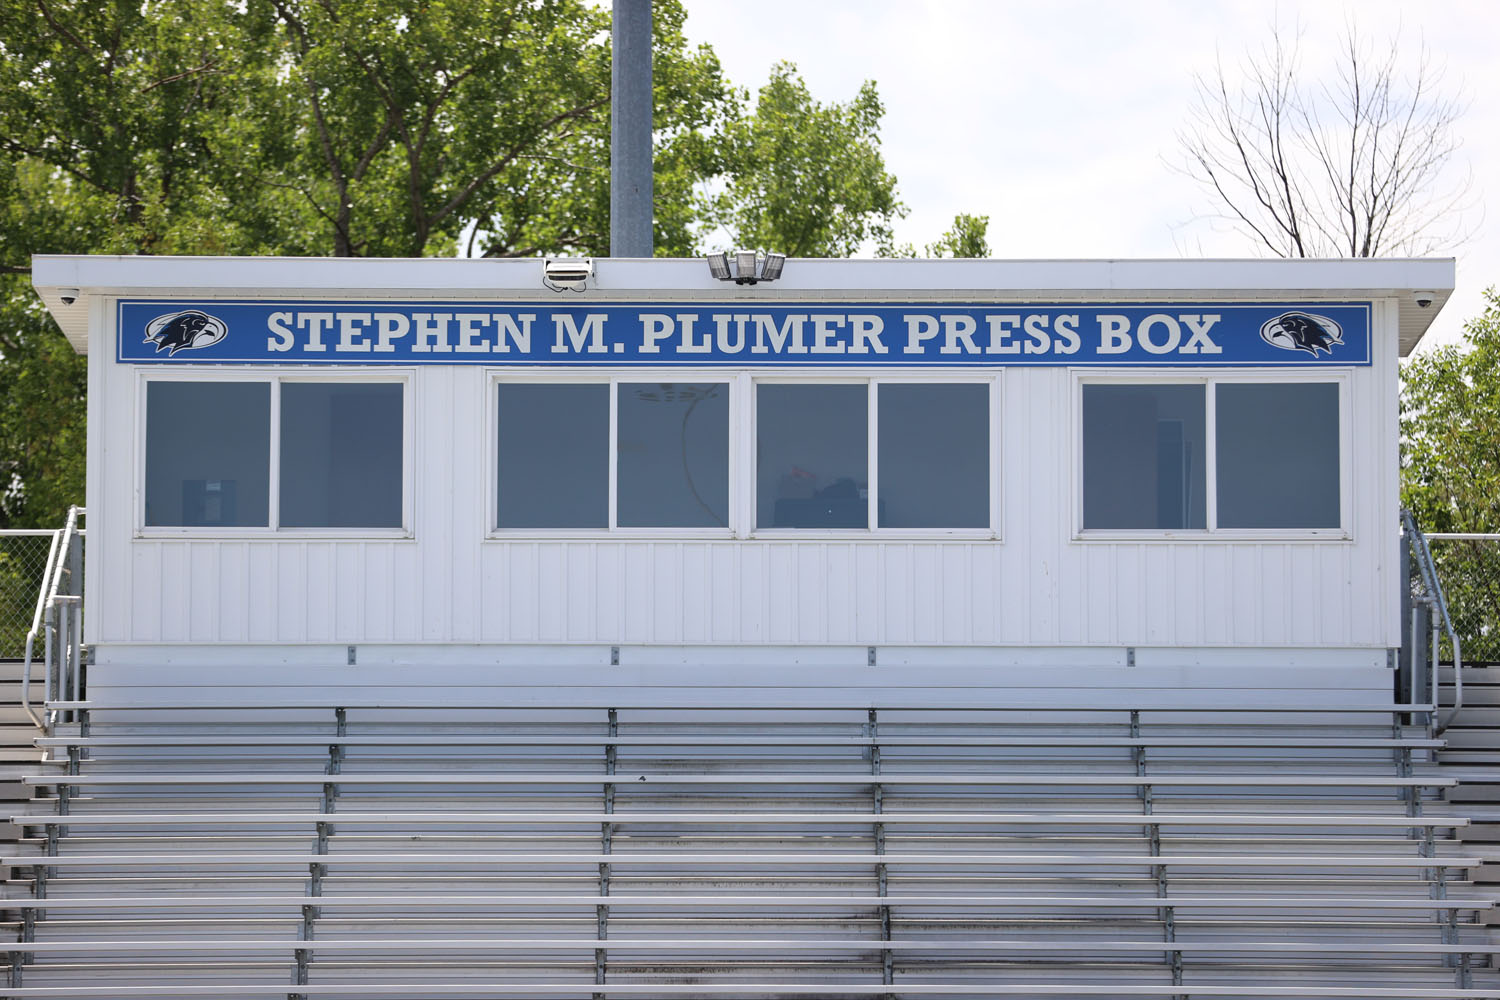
(1427, 594)
(58, 622)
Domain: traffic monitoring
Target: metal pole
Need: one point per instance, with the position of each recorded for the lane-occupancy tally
(1406, 680)
(630, 193)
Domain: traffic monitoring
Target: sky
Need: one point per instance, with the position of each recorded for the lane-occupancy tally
(1059, 118)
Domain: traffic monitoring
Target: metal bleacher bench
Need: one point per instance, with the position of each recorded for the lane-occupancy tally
(203, 848)
(778, 989)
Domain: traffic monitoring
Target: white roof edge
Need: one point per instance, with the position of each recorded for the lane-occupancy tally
(633, 277)
(141, 273)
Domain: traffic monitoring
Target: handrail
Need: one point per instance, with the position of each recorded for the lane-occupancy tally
(1437, 602)
(36, 627)
(1463, 536)
(44, 622)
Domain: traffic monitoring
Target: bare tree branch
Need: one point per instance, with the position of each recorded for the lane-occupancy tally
(1361, 165)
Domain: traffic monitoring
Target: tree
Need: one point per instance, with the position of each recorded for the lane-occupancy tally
(1354, 164)
(303, 127)
(369, 127)
(966, 238)
(808, 179)
(109, 123)
(1450, 470)
(415, 124)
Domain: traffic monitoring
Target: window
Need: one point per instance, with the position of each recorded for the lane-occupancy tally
(554, 456)
(812, 462)
(1144, 457)
(673, 455)
(340, 455)
(1270, 449)
(934, 456)
(930, 442)
(667, 443)
(1278, 450)
(208, 454)
(277, 453)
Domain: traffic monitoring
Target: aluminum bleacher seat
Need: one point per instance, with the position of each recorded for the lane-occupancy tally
(578, 850)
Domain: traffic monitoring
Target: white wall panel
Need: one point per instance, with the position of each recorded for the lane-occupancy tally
(1036, 586)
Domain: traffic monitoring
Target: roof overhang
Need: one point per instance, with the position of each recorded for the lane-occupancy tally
(623, 279)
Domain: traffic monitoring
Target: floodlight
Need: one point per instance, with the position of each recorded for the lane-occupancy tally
(748, 266)
(559, 273)
(744, 266)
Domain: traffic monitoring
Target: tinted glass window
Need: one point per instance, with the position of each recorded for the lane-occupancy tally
(1143, 456)
(812, 456)
(208, 454)
(1278, 455)
(553, 461)
(934, 446)
(673, 461)
(340, 455)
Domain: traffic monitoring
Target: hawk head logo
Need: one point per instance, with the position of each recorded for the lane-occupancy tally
(1300, 331)
(185, 331)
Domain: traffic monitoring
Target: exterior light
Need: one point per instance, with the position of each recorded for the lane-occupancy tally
(744, 267)
(747, 267)
(567, 273)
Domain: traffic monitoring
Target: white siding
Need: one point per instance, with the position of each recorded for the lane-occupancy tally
(1037, 586)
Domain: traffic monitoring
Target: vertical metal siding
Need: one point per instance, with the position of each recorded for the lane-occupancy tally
(1036, 587)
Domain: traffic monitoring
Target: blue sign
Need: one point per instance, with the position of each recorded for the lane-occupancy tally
(743, 334)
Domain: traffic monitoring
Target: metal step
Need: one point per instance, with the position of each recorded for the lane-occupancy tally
(764, 854)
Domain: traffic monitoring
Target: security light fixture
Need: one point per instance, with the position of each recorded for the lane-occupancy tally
(746, 267)
(567, 273)
(745, 270)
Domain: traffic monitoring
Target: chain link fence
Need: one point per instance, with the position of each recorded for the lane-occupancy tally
(1468, 568)
(23, 562)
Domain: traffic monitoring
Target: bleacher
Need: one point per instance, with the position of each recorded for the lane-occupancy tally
(698, 850)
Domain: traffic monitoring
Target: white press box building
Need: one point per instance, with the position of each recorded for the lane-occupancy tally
(897, 588)
(1026, 468)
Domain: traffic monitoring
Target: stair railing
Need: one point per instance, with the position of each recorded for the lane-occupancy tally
(1431, 595)
(58, 621)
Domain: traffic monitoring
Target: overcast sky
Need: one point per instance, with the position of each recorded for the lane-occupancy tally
(1058, 120)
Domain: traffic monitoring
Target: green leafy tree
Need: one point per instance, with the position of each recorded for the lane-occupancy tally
(372, 127)
(1450, 470)
(42, 415)
(416, 126)
(318, 127)
(966, 238)
(808, 179)
(110, 122)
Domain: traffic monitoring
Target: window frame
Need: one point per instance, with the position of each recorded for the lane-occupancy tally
(612, 378)
(872, 531)
(1210, 379)
(275, 379)
(742, 452)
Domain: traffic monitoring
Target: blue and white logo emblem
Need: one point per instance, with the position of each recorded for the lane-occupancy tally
(185, 331)
(1300, 331)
